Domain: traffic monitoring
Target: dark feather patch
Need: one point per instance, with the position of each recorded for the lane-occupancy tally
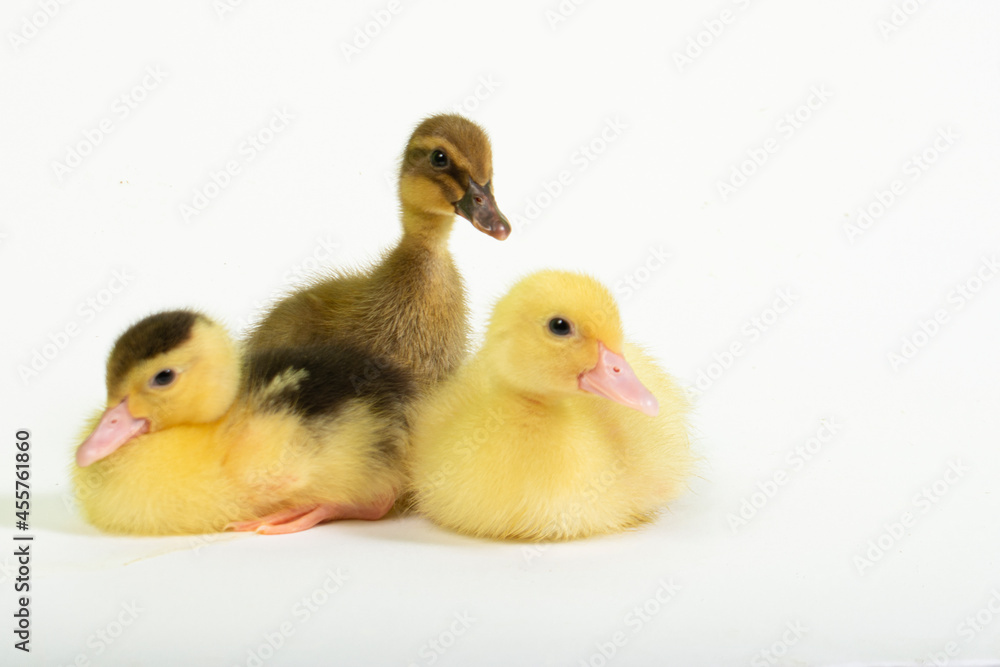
(389, 447)
(148, 338)
(332, 376)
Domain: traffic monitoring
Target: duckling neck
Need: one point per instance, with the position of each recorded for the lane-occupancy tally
(428, 230)
(418, 289)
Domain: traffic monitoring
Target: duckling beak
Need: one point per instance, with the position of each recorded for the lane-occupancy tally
(117, 426)
(615, 380)
(480, 208)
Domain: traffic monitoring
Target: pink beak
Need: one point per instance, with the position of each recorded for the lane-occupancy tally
(615, 380)
(116, 427)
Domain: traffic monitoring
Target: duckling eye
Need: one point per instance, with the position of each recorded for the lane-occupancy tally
(560, 327)
(163, 378)
(439, 159)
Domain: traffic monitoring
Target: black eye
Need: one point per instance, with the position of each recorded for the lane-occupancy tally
(560, 327)
(163, 378)
(439, 159)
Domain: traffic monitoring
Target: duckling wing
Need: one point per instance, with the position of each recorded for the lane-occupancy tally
(327, 310)
(315, 381)
(321, 424)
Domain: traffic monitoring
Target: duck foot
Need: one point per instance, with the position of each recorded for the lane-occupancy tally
(297, 519)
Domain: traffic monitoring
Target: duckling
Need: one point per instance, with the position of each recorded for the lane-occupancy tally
(548, 433)
(193, 440)
(410, 307)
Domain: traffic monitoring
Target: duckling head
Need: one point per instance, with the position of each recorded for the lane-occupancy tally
(447, 169)
(170, 368)
(557, 334)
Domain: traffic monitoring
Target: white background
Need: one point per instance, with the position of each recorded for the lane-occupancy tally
(321, 194)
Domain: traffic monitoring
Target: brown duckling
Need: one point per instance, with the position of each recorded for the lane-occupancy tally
(410, 307)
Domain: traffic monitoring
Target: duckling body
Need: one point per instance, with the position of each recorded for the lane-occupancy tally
(513, 447)
(294, 436)
(410, 307)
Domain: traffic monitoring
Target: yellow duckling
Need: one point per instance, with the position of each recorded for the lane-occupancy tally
(409, 308)
(548, 433)
(193, 441)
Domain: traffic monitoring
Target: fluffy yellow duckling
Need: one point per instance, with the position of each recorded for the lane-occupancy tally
(410, 307)
(548, 433)
(193, 441)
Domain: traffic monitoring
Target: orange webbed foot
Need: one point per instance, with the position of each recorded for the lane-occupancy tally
(297, 519)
